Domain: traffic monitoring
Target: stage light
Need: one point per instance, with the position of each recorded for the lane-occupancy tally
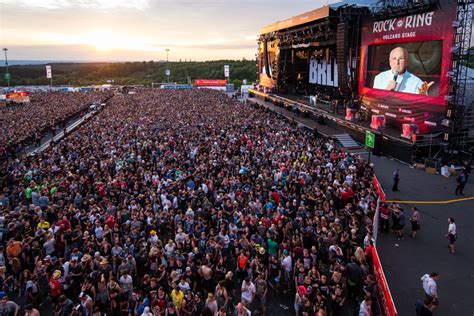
(456, 23)
(408, 130)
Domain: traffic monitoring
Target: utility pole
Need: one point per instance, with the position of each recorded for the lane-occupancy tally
(7, 75)
(167, 69)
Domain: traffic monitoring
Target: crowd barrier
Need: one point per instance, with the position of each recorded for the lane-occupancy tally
(385, 300)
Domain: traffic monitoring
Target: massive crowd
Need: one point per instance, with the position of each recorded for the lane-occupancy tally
(46, 109)
(187, 203)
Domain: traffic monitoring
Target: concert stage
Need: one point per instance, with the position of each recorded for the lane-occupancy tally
(388, 141)
(346, 54)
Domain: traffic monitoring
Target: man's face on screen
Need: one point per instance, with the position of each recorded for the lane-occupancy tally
(398, 60)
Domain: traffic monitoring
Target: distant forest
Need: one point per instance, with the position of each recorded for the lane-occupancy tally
(127, 73)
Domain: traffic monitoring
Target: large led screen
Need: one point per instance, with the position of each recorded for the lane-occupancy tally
(405, 62)
(405, 67)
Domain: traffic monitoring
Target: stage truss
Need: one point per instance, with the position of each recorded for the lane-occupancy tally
(460, 124)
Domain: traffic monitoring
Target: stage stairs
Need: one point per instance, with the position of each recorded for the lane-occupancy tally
(347, 141)
(350, 145)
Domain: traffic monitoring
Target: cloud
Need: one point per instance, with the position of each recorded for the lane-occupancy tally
(211, 45)
(83, 4)
(224, 46)
(140, 29)
(90, 53)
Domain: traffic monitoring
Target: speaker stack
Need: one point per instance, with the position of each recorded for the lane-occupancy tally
(341, 57)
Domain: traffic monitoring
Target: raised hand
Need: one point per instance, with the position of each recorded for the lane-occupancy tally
(425, 86)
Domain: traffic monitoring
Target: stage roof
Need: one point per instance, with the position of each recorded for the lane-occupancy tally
(297, 20)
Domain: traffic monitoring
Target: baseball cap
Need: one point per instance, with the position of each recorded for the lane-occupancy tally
(3, 295)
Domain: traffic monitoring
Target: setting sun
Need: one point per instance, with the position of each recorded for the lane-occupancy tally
(105, 40)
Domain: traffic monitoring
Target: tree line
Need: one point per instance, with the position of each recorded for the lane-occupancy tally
(128, 73)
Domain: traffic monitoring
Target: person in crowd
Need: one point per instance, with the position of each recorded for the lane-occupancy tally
(31, 311)
(452, 234)
(8, 307)
(430, 287)
(415, 220)
(366, 306)
(467, 169)
(396, 180)
(23, 124)
(385, 218)
(248, 292)
(186, 202)
(424, 307)
(461, 183)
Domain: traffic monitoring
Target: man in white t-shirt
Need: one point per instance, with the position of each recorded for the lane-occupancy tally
(451, 235)
(287, 265)
(183, 285)
(430, 287)
(248, 292)
(126, 281)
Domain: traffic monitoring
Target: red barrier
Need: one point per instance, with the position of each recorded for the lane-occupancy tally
(386, 304)
(209, 83)
(379, 189)
(18, 97)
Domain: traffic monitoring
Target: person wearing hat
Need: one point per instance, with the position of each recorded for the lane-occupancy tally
(8, 307)
(87, 257)
(105, 268)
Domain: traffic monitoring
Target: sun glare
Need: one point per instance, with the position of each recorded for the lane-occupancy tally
(106, 41)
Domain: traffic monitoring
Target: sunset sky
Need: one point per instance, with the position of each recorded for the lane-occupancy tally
(126, 30)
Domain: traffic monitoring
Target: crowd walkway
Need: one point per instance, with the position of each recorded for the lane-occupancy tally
(406, 260)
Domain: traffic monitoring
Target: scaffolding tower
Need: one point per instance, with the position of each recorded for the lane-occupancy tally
(459, 134)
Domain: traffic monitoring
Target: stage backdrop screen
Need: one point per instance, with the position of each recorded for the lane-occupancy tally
(410, 64)
(404, 66)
